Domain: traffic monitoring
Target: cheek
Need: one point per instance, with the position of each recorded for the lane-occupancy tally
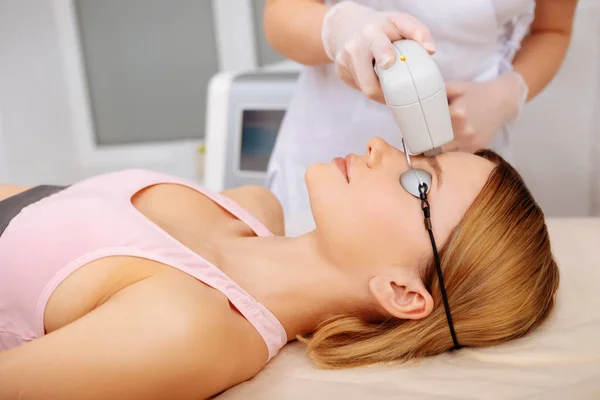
(379, 217)
(395, 219)
(395, 222)
(373, 219)
(388, 204)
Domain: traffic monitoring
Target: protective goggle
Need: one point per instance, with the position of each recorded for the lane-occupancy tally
(418, 183)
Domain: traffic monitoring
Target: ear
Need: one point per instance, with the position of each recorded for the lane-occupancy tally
(403, 297)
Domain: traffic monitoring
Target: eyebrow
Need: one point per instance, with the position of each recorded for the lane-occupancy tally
(435, 165)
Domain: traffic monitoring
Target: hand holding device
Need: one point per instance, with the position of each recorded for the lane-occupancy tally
(353, 35)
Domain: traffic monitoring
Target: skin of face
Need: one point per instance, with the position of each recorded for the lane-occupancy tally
(366, 220)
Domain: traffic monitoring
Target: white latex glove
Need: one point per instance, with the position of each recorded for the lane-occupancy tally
(479, 109)
(354, 35)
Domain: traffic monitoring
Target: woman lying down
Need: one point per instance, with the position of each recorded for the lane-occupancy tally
(140, 285)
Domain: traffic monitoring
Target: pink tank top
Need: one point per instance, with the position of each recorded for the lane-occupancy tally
(57, 228)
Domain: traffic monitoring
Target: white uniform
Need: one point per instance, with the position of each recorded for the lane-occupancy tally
(475, 41)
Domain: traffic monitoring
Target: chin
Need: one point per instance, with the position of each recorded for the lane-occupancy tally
(308, 173)
(314, 176)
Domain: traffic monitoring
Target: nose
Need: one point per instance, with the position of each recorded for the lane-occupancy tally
(376, 148)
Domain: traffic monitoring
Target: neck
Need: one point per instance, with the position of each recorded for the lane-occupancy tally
(292, 279)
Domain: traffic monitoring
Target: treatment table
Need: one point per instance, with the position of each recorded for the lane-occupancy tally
(560, 360)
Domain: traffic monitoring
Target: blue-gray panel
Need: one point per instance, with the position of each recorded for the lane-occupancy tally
(251, 92)
(148, 64)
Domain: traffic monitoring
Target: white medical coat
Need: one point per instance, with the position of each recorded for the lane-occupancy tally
(475, 40)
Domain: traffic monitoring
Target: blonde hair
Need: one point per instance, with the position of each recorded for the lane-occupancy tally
(500, 277)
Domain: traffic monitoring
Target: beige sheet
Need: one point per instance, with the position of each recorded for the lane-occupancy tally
(559, 361)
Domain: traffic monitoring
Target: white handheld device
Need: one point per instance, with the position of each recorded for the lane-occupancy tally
(415, 92)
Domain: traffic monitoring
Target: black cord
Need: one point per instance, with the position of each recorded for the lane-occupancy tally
(436, 257)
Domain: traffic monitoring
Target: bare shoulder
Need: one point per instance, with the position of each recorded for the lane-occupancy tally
(262, 204)
(7, 190)
(162, 337)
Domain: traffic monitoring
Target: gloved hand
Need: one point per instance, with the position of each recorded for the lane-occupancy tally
(479, 109)
(353, 35)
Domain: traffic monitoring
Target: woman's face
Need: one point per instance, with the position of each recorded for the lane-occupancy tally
(364, 216)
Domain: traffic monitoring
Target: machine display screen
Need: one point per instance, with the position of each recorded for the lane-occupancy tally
(259, 130)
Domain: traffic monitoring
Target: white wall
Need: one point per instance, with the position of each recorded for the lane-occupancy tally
(558, 139)
(34, 107)
(46, 132)
(45, 129)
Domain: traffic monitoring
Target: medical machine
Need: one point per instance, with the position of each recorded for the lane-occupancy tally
(415, 92)
(245, 110)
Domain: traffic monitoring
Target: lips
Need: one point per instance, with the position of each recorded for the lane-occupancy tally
(342, 164)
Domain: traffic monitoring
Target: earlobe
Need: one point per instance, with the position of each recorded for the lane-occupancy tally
(404, 299)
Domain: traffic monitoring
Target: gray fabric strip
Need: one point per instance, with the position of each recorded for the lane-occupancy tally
(12, 206)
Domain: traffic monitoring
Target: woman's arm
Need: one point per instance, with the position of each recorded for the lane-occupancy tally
(479, 109)
(543, 50)
(7, 190)
(293, 28)
(149, 341)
